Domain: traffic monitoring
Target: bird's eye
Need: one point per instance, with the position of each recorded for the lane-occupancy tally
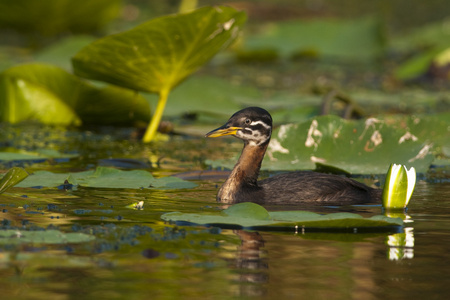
(247, 121)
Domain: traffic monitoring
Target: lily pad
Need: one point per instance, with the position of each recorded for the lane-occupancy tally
(104, 177)
(16, 236)
(253, 216)
(12, 177)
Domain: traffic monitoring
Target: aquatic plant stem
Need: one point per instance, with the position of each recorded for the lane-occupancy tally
(156, 119)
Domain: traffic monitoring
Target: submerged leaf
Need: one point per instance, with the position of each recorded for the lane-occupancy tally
(243, 215)
(12, 177)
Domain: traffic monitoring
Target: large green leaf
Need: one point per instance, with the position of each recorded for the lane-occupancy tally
(21, 100)
(361, 147)
(104, 177)
(156, 56)
(50, 95)
(253, 216)
(160, 53)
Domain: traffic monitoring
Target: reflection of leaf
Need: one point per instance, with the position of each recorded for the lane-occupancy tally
(51, 95)
(243, 215)
(11, 178)
(15, 236)
(104, 177)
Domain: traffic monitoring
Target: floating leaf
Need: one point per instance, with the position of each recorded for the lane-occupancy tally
(12, 177)
(253, 216)
(157, 55)
(16, 236)
(104, 177)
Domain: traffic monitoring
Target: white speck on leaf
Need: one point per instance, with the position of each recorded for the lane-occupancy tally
(370, 122)
(407, 136)
(422, 153)
(376, 138)
(227, 25)
(275, 146)
(318, 159)
(313, 132)
(282, 132)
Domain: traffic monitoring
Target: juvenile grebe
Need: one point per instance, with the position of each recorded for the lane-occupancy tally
(253, 125)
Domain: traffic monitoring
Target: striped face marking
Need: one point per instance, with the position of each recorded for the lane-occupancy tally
(255, 132)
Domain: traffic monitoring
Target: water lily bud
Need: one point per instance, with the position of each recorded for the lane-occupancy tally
(399, 186)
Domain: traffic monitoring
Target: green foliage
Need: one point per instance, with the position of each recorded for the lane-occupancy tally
(104, 177)
(253, 216)
(11, 178)
(53, 17)
(157, 55)
(50, 95)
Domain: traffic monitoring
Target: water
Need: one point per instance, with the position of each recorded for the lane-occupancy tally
(137, 256)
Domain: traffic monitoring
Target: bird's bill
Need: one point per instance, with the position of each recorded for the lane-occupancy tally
(223, 130)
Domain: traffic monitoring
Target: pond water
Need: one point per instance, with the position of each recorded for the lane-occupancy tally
(137, 256)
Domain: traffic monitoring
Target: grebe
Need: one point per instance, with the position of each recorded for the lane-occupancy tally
(253, 125)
